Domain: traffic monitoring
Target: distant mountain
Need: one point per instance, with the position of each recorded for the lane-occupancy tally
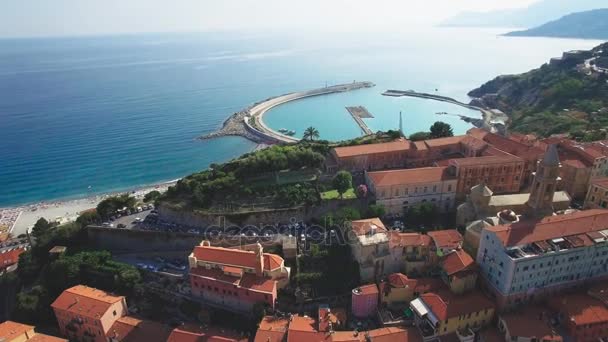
(536, 14)
(586, 25)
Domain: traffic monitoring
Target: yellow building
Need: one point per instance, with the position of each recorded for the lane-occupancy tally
(597, 195)
(458, 271)
(442, 313)
(397, 290)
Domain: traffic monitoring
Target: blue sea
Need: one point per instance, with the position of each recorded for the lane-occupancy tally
(98, 114)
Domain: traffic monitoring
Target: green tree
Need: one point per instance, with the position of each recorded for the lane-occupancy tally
(108, 206)
(376, 210)
(441, 130)
(342, 181)
(88, 217)
(152, 196)
(419, 136)
(41, 227)
(311, 134)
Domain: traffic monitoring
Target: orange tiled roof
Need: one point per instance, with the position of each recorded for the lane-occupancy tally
(409, 239)
(246, 280)
(86, 301)
(395, 334)
(10, 257)
(410, 176)
(446, 305)
(442, 142)
(523, 150)
(351, 151)
(195, 333)
(449, 238)
(10, 330)
(424, 285)
(363, 227)
(525, 232)
(46, 338)
(486, 160)
(400, 280)
(532, 322)
(580, 309)
(272, 329)
(234, 257)
(457, 261)
(130, 329)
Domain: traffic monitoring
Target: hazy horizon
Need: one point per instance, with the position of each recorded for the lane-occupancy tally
(30, 18)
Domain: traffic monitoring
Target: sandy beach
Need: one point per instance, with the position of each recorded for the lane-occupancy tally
(19, 219)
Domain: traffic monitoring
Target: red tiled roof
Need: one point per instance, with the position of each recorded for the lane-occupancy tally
(130, 329)
(409, 239)
(400, 280)
(194, 333)
(424, 285)
(247, 280)
(446, 305)
(523, 150)
(394, 146)
(449, 238)
(580, 309)
(410, 176)
(46, 338)
(272, 329)
(442, 142)
(486, 160)
(86, 301)
(363, 227)
(531, 323)
(10, 257)
(235, 257)
(233, 270)
(10, 330)
(395, 334)
(457, 261)
(525, 232)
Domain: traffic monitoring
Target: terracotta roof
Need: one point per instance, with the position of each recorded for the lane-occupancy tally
(445, 305)
(272, 261)
(132, 329)
(86, 301)
(409, 239)
(580, 309)
(246, 280)
(10, 257)
(272, 329)
(486, 160)
(369, 289)
(600, 182)
(194, 333)
(424, 285)
(441, 142)
(525, 232)
(394, 146)
(303, 329)
(10, 330)
(457, 261)
(532, 322)
(410, 176)
(233, 270)
(363, 227)
(523, 150)
(400, 280)
(450, 238)
(395, 334)
(46, 338)
(234, 257)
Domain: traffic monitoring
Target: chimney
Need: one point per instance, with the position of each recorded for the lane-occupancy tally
(259, 257)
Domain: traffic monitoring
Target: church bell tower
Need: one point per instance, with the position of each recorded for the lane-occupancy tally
(540, 203)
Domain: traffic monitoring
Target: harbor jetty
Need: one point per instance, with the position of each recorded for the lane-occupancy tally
(359, 113)
(488, 116)
(249, 122)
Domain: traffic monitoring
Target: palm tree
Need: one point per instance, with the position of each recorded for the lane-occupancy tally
(311, 134)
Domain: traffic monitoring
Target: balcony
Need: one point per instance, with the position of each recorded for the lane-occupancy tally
(465, 335)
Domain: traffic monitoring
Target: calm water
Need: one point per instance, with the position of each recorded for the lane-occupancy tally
(116, 112)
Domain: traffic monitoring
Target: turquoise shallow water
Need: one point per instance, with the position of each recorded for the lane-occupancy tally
(117, 112)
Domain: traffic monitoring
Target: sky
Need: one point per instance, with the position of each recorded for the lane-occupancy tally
(26, 18)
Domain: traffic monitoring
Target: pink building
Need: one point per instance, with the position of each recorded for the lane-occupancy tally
(236, 279)
(365, 301)
(87, 314)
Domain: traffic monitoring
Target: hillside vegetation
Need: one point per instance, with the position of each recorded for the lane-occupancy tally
(559, 97)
